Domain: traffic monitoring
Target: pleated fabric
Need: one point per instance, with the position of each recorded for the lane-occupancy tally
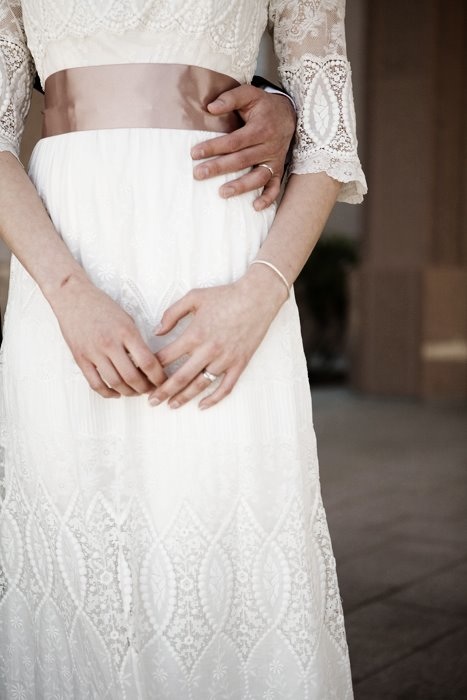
(147, 552)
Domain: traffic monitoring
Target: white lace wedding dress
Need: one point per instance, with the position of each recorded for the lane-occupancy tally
(147, 553)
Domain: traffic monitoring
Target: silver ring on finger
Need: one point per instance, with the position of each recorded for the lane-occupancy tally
(208, 375)
(268, 167)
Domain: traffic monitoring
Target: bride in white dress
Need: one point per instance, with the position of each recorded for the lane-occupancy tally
(153, 551)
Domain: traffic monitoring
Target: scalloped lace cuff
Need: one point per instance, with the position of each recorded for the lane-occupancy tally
(350, 173)
(8, 146)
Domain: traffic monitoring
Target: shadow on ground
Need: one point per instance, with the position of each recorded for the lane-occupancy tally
(394, 482)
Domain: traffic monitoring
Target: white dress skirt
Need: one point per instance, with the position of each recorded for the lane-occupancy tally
(149, 553)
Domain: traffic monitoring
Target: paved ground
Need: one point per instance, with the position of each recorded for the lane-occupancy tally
(394, 482)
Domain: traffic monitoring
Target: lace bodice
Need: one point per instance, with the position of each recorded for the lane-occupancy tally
(222, 35)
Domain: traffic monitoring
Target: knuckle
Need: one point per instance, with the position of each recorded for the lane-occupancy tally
(239, 187)
(263, 175)
(235, 187)
(212, 168)
(147, 363)
(268, 131)
(127, 330)
(196, 336)
(208, 148)
(182, 380)
(165, 318)
(267, 196)
(132, 377)
(95, 384)
(244, 161)
(233, 143)
(161, 356)
(106, 342)
(216, 346)
(190, 299)
(250, 91)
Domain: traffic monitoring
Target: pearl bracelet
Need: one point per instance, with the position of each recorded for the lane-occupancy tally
(274, 269)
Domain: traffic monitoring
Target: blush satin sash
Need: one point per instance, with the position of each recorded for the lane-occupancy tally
(160, 95)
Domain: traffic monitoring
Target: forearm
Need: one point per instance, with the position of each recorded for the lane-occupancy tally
(229, 322)
(305, 207)
(29, 233)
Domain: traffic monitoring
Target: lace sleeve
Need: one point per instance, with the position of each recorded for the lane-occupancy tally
(309, 41)
(16, 76)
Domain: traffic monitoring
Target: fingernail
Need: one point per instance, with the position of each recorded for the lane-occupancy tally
(227, 192)
(174, 404)
(158, 329)
(201, 172)
(154, 401)
(197, 153)
(216, 103)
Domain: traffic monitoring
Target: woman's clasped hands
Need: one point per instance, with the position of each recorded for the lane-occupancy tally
(227, 325)
(223, 327)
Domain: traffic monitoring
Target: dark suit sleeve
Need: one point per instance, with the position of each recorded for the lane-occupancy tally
(260, 82)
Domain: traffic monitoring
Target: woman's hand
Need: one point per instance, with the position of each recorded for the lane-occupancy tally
(105, 341)
(229, 323)
(265, 138)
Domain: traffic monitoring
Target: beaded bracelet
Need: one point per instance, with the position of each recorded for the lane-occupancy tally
(275, 269)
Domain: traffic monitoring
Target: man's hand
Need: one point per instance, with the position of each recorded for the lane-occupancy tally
(265, 138)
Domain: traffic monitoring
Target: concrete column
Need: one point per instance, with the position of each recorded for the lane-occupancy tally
(409, 318)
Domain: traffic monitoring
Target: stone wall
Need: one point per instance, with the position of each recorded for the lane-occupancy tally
(409, 321)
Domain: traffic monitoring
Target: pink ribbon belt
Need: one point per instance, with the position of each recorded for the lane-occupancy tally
(160, 95)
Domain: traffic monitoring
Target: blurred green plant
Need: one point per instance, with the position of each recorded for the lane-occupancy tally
(323, 299)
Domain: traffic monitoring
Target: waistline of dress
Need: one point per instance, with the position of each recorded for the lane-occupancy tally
(155, 95)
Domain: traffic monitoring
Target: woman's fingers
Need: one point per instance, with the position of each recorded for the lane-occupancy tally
(225, 387)
(96, 382)
(130, 374)
(145, 360)
(181, 379)
(112, 377)
(176, 312)
(226, 328)
(106, 342)
(175, 350)
(199, 384)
